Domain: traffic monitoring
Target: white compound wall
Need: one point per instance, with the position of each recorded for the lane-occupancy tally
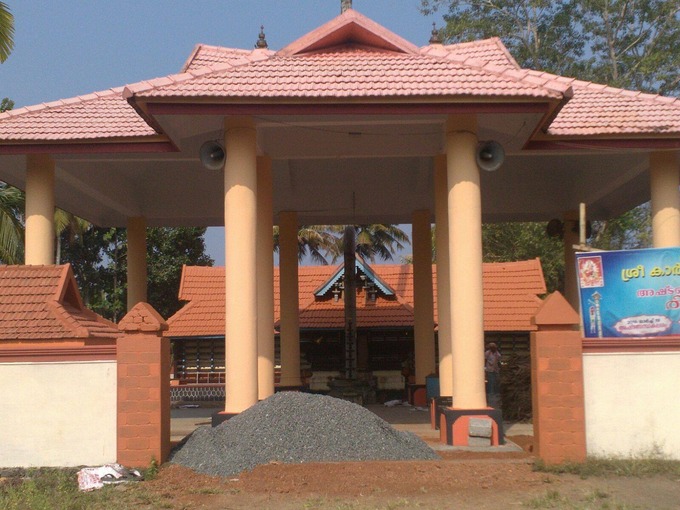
(632, 404)
(57, 413)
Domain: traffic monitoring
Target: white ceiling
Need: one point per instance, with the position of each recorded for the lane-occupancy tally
(342, 169)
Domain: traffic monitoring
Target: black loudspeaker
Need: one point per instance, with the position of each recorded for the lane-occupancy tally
(212, 155)
(490, 156)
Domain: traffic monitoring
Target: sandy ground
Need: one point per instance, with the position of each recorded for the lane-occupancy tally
(482, 479)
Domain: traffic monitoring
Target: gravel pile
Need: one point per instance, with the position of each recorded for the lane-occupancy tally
(293, 427)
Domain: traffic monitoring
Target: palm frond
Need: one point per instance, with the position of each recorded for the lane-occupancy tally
(6, 32)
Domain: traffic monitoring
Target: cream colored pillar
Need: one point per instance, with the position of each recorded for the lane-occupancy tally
(465, 263)
(265, 280)
(240, 218)
(136, 262)
(423, 330)
(290, 309)
(571, 238)
(443, 295)
(40, 234)
(664, 180)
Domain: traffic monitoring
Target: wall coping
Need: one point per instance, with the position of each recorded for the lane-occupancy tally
(555, 311)
(142, 318)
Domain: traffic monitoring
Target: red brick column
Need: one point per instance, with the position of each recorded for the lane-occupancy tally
(143, 388)
(557, 383)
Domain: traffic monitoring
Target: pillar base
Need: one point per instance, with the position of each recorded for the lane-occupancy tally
(417, 394)
(221, 417)
(436, 406)
(454, 425)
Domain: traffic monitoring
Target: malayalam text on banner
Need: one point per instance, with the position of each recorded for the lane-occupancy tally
(630, 293)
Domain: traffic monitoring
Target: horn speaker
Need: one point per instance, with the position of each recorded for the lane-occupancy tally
(490, 156)
(212, 155)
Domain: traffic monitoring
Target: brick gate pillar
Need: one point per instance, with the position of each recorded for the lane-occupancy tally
(143, 388)
(557, 383)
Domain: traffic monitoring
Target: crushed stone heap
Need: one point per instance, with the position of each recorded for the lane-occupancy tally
(292, 427)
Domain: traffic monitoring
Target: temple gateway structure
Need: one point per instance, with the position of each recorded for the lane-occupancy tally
(352, 124)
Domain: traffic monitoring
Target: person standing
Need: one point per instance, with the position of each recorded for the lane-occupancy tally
(492, 369)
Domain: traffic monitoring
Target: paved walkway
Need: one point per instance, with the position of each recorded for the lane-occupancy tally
(417, 420)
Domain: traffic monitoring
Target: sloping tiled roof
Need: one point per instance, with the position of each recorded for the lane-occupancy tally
(511, 292)
(383, 313)
(349, 57)
(43, 303)
(483, 52)
(205, 55)
(353, 27)
(344, 73)
(601, 110)
(100, 115)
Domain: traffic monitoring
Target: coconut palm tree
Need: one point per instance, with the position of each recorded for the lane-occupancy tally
(6, 32)
(11, 227)
(372, 241)
(67, 223)
(369, 241)
(312, 241)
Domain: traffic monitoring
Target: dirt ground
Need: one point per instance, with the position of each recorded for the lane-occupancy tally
(459, 480)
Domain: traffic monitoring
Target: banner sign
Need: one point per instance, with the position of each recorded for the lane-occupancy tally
(631, 293)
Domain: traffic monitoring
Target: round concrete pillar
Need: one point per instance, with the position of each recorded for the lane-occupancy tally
(465, 263)
(664, 181)
(265, 280)
(423, 330)
(40, 233)
(136, 262)
(240, 218)
(443, 295)
(289, 299)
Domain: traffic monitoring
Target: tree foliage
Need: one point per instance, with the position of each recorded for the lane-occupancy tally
(372, 241)
(314, 241)
(11, 225)
(632, 43)
(6, 32)
(323, 242)
(623, 43)
(99, 259)
(507, 242)
(538, 33)
(6, 104)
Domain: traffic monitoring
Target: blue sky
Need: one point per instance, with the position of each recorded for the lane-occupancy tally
(73, 47)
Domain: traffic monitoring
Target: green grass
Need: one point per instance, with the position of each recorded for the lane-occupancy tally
(57, 489)
(338, 504)
(638, 467)
(596, 500)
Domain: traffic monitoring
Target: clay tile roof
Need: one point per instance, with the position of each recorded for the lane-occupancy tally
(101, 115)
(511, 292)
(205, 55)
(350, 27)
(597, 109)
(43, 303)
(350, 56)
(487, 52)
(344, 73)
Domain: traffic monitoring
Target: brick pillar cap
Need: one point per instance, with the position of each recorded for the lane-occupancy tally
(555, 311)
(142, 319)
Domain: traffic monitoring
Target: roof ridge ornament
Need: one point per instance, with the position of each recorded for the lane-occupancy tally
(345, 5)
(261, 41)
(435, 37)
